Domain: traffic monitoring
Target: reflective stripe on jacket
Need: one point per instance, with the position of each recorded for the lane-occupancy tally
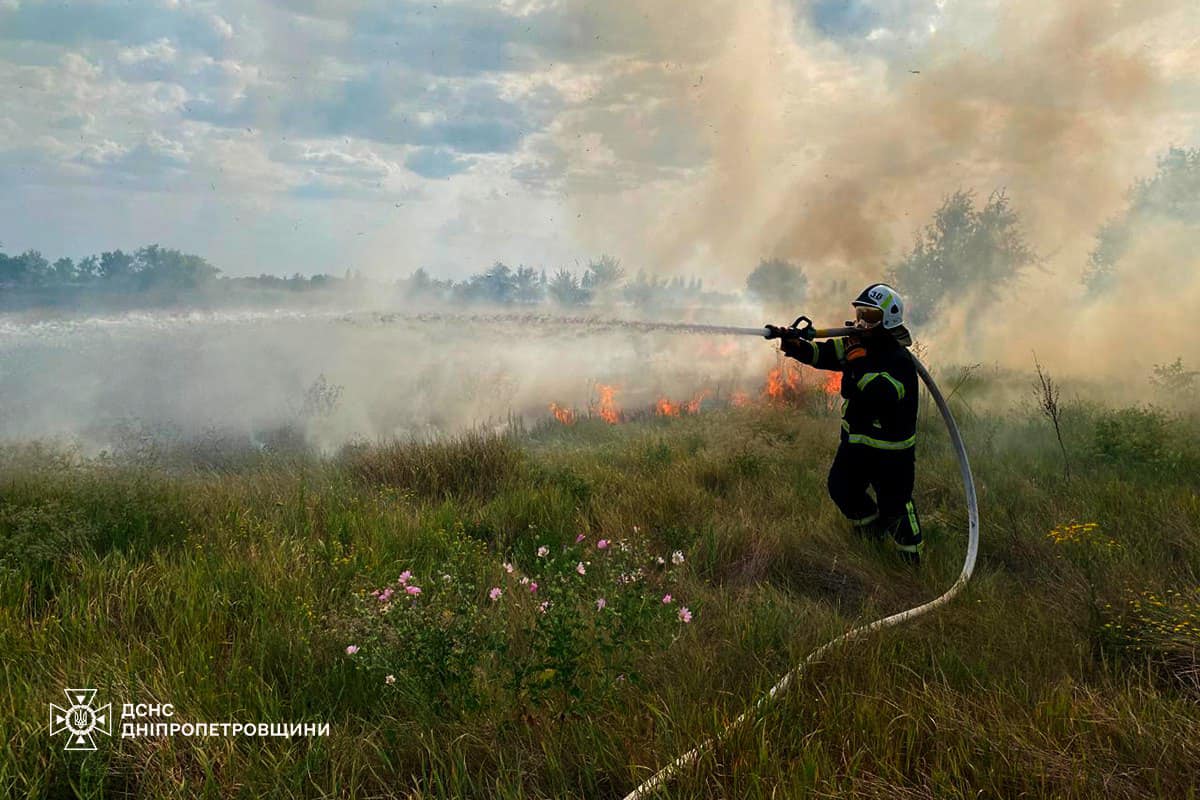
(879, 384)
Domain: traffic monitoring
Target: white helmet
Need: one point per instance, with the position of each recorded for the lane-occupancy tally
(887, 300)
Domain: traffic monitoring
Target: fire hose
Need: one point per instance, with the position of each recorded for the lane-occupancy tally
(657, 780)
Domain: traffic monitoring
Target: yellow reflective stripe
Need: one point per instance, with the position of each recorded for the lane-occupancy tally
(870, 376)
(912, 518)
(887, 301)
(845, 426)
(839, 348)
(865, 379)
(858, 523)
(910, 548)
(816, 351)
(858, 438)
(899, 386)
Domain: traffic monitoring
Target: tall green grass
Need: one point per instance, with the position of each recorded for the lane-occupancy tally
(229, 589)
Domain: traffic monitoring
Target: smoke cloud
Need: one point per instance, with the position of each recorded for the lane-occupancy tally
(832, 158)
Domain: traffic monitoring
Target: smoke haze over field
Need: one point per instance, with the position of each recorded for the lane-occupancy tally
(686, 139)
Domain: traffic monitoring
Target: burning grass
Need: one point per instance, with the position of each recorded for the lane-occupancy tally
(1063, 671)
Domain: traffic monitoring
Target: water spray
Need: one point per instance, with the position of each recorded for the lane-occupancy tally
(802, 328)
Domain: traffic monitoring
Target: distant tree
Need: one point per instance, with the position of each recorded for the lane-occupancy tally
(498, 284)
(528, 288)
(88, 268)
(775, 282)
(566, 290)
(1172, 194)
(28, 269)
(63, 270)
(164, 268)
(603, 275)
(962, 249)
(115, 265)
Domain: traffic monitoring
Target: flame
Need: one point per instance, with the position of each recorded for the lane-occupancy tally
(739, 399)
(564, 415)
(693, 406)
(783, 383)
(665, 408)
(606, 408)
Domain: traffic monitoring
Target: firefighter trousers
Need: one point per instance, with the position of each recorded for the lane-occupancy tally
(890, 474)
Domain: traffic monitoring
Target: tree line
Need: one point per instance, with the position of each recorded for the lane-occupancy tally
(969, 249)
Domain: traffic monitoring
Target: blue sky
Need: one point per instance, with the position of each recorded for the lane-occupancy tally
(378, 135)
(310, 136)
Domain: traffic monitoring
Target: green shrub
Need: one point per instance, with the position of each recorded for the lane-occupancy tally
(1132, 435)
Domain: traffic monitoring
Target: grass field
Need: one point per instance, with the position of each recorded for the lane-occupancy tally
(231, 583)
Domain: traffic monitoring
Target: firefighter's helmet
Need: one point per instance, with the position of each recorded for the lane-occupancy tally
(887, 300)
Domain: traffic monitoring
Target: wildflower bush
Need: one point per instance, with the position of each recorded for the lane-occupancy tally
(562, 628)
(1082, 537)
(1163, 627)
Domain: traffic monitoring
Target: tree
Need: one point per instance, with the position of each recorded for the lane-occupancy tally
(566, 290)
(28, 269)
(604, 274)
(964, 248)
(528, 289)
(159, 267)
(775, 282)
(64, 270)
(88, 268)
(115, 265)
(1173, 194)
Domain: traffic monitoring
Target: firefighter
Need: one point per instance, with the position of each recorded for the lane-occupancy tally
(879, 419)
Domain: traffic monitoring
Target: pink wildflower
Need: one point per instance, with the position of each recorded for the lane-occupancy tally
(495, 593)
(684, 614)
(542, 608)
(508, 568)
(543, 551)
(413, 590)
(533, 587)
(666, 599)
(404, 578)
(386, 594)
(351, 649)
(579, 538)
(677, 557)
(580, 568)
(600, 604)
(602, 544)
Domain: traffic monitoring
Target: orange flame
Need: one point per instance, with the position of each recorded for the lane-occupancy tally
(564, 415)
(693, 406)
(739, 399)
(665, 408)
(606, 408)
(783, 383)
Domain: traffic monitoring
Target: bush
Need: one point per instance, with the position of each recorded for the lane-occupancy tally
(1132, 435)
(556, 628)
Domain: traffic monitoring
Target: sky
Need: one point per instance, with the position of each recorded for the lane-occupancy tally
(317, 136)
(683, 137)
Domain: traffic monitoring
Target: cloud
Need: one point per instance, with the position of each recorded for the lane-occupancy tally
(134, 21)
(436, 162)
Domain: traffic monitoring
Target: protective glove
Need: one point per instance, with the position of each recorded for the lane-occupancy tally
(791, 347)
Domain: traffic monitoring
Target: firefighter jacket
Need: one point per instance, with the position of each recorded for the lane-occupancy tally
(879, 387)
